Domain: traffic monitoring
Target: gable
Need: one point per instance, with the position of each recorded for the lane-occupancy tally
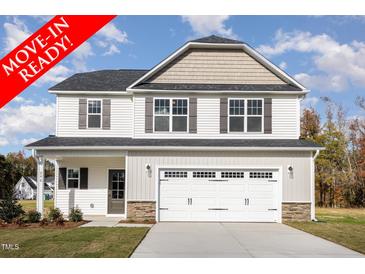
(215, 66)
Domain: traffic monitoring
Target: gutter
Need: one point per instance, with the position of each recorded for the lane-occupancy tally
(175, 148)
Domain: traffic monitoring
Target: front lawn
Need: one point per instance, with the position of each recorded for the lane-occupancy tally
(344, 226)
(32, 204)
(94, 242)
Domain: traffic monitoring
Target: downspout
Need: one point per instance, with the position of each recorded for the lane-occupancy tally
(313, 179)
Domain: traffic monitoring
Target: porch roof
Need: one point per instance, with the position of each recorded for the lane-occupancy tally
(52, 142)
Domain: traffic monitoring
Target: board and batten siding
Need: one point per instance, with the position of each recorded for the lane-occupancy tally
(285, 119)
(94, 200)
(215, 66)
(142, 187)
(121, 120)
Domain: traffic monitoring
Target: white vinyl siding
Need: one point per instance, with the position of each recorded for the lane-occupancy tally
(142, 187)
(285, 122)
(91, 202)
(94, 200)
(121, 119)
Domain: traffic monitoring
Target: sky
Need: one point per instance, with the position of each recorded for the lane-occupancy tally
(324, 53)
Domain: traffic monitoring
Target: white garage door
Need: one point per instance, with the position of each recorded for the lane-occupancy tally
(218, 195)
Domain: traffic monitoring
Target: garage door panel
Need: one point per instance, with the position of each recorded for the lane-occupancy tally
(231, 203)
(231, 215)
(203, 189)
(203, 202)
(173, 201)
(220, 199)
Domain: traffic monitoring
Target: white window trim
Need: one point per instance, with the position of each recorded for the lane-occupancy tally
(245, 116)
(78, 183)
(101, 113)
(170, 115)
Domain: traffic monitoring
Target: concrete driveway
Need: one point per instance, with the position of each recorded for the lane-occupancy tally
(202, 240)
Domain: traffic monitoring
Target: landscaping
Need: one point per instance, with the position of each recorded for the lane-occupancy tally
(344, 226)
(95, 242)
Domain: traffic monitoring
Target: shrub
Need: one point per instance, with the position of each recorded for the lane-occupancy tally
(33, 216)
(75, 215)
(60, 220)
(54, 214)
(2, 223)
(19, 220)
(44, 222)
(10, 209)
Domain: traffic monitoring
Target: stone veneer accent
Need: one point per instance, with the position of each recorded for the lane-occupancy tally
(296, 212)
(141, 211)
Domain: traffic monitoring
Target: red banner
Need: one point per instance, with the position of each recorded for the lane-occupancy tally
(44, 49)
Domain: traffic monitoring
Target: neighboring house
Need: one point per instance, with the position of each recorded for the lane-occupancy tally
(26, 188)
(211, 133)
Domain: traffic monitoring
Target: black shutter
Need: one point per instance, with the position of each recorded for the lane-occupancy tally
(192, 115)
(267, 115)
(84, 176)
(149, 115)
(82, 113)
(62, 178)
(106, 113)
(223, 115)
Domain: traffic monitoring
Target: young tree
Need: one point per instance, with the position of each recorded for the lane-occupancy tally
(310, 124)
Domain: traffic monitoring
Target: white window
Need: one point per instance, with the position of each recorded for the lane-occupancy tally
(232, 174)
(254, 115)
(73, 178)
(171, 115)
(236, 115)
(162, 115)
(204, 174)
(176, 174)
(245, 115)
(94, 113)
(261, 175)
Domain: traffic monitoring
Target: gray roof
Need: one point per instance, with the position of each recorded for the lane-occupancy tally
(102, 80)
(31, 180)
(214, 39)
(119, 80)
(128, 142)
(219, 87)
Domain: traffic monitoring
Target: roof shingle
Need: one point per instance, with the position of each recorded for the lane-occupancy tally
(131, 142)
(102, 80)
(214, 39)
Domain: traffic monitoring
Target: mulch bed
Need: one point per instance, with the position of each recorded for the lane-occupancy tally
(136, 222)
(66, 225)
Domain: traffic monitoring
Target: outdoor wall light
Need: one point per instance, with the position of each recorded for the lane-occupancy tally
(149, 170)
(290, 171)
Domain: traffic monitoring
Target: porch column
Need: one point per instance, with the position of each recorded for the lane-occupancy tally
(40, 184)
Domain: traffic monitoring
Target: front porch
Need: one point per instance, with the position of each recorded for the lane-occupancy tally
(93, 181)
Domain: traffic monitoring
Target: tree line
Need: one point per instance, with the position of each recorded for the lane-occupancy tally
(340, 167)
(15, 165)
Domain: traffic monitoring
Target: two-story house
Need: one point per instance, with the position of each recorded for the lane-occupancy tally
(211, 133)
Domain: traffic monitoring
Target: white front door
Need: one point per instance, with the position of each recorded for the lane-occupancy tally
(218, 195)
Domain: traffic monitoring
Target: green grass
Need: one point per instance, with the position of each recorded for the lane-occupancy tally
(31, 204)
(72, 243)
(340, 225)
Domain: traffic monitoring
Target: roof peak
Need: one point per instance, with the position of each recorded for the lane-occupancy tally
(215, 39)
